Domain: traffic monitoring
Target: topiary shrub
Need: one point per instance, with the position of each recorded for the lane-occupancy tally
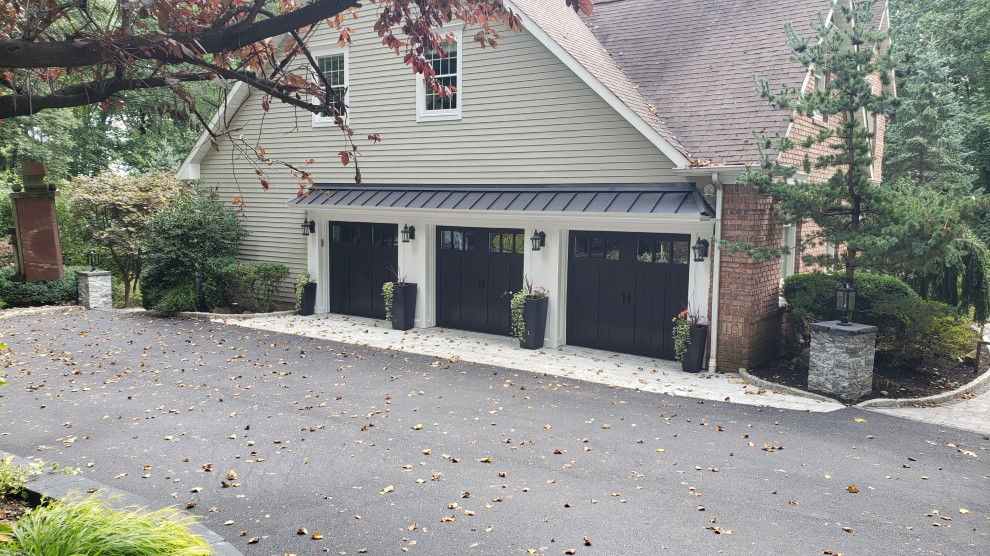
(64, 291)
(910, 330)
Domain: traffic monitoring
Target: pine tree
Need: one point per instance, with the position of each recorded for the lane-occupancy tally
(849, 208)
(925, 141)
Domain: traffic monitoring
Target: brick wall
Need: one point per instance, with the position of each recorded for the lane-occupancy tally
(749, 311)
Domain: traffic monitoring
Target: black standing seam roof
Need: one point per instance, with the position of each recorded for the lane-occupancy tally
(639, 198)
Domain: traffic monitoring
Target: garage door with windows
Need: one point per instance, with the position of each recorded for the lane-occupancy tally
(623, 289)
(478, 269)
(362, 258)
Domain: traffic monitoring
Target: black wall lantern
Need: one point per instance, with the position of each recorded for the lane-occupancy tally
(408, 232)
(845, 302)
(539, 239)
(700, 249)
(308, 227)
(94, 259)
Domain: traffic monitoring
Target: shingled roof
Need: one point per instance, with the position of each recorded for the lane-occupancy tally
(695, 59)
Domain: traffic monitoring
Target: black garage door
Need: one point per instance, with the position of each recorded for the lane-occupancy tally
(623, 289)
(361, 256)
(477, 271)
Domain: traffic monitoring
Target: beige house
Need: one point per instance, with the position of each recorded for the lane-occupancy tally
(616, 140)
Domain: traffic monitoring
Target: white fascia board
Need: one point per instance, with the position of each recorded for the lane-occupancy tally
(189, 169)
(598, 87)
(727, 174)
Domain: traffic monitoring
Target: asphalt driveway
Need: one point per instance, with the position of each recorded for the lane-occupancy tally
(265, 434)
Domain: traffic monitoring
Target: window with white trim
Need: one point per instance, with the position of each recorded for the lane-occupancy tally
(332, 64)
(431, 104)
(870, 122)
(787, 260)
(820, 80)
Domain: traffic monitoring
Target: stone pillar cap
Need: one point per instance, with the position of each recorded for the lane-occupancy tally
(835, 327)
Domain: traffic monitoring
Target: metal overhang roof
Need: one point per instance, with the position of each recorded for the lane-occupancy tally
(640, 198)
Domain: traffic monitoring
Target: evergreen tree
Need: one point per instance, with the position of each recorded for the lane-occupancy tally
(848, 208)
(924, 143)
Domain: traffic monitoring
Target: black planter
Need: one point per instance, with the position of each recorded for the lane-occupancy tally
(694, 357)
(308, 305)
(403, 306)
(534, 322)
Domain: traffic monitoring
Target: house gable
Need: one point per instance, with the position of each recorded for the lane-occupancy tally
(526, 118)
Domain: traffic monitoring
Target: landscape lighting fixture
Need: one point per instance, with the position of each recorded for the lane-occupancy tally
(845, 302)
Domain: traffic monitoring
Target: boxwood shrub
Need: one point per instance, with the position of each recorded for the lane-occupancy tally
(64, 291)
(251, 285)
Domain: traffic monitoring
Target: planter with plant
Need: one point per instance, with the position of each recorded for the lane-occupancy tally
(305, 294)
(400, 301)
(690, 340)
(529, 315)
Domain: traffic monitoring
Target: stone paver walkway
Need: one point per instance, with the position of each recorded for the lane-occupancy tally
(971, 414)
(614, 369)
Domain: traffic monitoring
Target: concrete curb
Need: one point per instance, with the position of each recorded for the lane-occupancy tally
(977, 385)
(57, 486)
(756, 381)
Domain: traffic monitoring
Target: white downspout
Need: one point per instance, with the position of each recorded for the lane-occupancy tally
(717, 255)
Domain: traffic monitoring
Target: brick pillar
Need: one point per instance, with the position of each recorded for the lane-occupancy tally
(749, 307)
(95, 289)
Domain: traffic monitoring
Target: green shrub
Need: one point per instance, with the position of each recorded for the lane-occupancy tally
(258, 284)
(910, 330)
(196, 228)
(303, 279)
(79, 526)
(220, 281)
(14, 478)
(64, 291)
(177, 299)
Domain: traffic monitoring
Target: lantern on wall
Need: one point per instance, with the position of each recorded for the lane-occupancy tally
(700, 249)
(539, 240)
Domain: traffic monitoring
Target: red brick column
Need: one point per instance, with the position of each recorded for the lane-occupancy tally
(749, 307)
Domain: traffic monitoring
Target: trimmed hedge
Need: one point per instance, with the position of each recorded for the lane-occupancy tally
(253, 286)
(64, 291)
(911, 331)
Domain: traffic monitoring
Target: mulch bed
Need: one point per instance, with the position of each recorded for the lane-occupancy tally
(12, 510)
(888, 381)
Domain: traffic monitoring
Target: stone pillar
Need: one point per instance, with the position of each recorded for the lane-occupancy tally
(95, 289)
(842, 359)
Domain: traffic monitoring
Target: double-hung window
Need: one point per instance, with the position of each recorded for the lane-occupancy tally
(332, 63)
(432, 104)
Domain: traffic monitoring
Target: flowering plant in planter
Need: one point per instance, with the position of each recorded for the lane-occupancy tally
(518, 303)
(683, 323)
